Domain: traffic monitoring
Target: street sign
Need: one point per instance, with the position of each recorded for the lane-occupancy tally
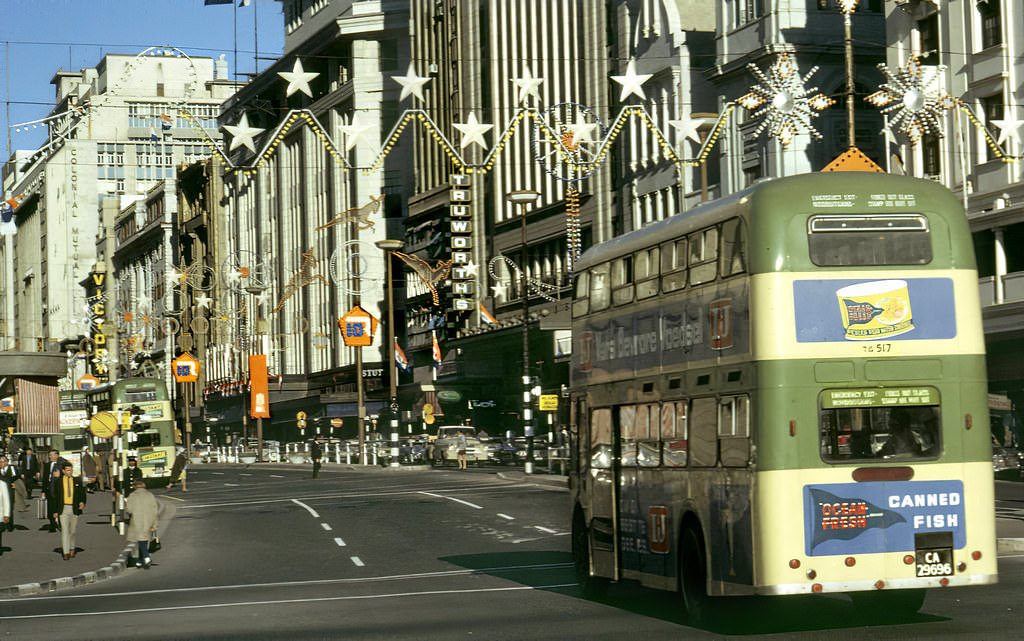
(548, 402)
(358, 327)
(103, 425)
(337, 422)
(186, 368)
(87, 382)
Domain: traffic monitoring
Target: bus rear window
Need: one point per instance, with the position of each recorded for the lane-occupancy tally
(850, 431)
(870, 239)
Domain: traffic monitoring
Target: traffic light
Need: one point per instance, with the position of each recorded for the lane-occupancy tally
(136, 414)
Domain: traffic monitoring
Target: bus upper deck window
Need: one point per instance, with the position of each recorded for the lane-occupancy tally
(622, 281)
(734, 247)
(673, 265)
(645, 267)
(703, 260)
(600, 288)
(869, 239)
(581, 305)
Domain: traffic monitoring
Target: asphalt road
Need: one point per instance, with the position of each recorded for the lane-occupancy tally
(427, 554)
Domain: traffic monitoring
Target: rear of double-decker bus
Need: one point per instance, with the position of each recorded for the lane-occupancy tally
(873, 467)
(150, 436)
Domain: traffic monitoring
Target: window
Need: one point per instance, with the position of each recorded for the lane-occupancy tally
(673, 434)
(931, 154)
(990, 16)
(600, 292)
(748, 11)
(703, 441)
(876, 431)
(645, 266)
(703, 259)
(928, 40)
(627, 435)
(601, 439)
(648, 420)
(993, 108)
(673, 265)
(734, 430)
(622, 281)
(734, 247)
(581, 305)
(896, 239)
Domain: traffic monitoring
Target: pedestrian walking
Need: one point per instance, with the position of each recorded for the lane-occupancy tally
(131, 474)
(102, 470)
(89, 470)
(111, 460)
(316, 453)
(179, 470)
(72, 502)
(460, 449)
(5, 512)
(28, 465)
(51, 490)
(8, 474)
(143, 508)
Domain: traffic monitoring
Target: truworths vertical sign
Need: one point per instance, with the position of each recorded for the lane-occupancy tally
(460, 223)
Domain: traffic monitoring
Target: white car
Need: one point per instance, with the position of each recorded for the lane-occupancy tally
(445, 448)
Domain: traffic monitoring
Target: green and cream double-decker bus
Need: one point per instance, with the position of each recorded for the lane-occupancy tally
(144, 407)
(783, 392)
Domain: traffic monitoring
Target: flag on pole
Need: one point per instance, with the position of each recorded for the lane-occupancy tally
(152, 134)
(167, 121)
(436, 349)
(7, 224)
(485, 315)
(400, 358)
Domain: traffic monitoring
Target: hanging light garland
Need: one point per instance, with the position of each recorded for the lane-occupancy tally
(781, 98)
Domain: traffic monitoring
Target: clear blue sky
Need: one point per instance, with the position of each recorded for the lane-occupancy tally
(40, 37)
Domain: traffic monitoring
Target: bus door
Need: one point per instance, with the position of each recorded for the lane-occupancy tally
(601, 486)
(641, 522)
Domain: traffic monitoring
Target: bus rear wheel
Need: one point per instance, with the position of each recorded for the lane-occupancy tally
(693, 576)
(593, 587)
(889, 603)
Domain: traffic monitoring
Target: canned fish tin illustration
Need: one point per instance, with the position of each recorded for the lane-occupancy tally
(875, 310)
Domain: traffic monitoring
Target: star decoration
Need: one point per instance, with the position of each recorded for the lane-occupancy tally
(527, 86)
(472, 131)
(1009, 128)
(582, 131)
(499, 290)
(631, 82)
(847, 6)
(174, 277)
(203, 301)
(264, 298)
(242, 133)
(788, 106)
(915, 100)
(687, 128)
(466, 270)
(298, 79)
(411, 83)
(144, 303)
(355, 132)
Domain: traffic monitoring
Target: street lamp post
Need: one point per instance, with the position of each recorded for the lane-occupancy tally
(390, 246)
(523, 198)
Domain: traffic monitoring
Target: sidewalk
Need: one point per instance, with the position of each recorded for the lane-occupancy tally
(32, 562)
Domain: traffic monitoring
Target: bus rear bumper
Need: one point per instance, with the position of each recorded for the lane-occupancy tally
(869, 585)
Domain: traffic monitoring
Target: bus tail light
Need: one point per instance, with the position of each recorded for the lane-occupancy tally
(944, 581)
(968, 421)
(909, 559)
(792, 428)
(811, 574)
(976, 555)
(794, 563)
(816, 587)
(850, 561)
(961, 567)
(879, 584)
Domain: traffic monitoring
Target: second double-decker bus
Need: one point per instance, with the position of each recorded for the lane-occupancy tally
(146, 409)
(783, 392)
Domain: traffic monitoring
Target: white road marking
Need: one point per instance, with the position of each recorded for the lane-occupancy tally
(506, 516)
(338, 540)
(205, 606)
(231, 485)
(450, 498)
(326, 526)
(356, 560)
(243, 474)
(544, 529)
(220, 473)
(276, 476)
(306, 507)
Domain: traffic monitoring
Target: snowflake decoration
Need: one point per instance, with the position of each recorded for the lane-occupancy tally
(916, 99)
(787, 106)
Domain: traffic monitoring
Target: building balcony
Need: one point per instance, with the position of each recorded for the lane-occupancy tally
(1013, 289)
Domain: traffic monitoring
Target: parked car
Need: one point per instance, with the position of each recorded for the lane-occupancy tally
(499, 451)
(445, 447)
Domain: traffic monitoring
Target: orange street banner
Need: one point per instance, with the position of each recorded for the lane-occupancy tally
(186, 368)
(259, 400)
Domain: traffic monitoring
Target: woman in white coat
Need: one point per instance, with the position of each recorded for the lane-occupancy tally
(142, 506)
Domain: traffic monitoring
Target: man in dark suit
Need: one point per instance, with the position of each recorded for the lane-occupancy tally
(52, 471)
(71, 500)
(28, 467)
(8, 475)
(130, 474)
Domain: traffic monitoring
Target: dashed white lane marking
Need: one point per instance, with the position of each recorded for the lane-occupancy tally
(245, 474)
(218, 473)
(506, 516)
(326, 526)
(450, 498)
(306, 507)
(276, 476)
(338, 540)
(544, 529)
(356, 560)
(231, 485)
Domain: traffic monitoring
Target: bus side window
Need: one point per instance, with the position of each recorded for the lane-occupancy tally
(703, 426)
(673, 265)
(627, 435)
(622, 281)
(645, 266)
(734, 430)
(673, 434)
(601, 438)
(648, 422)
(703, 261)
(581, 305)
(600, 292)
(734, 247)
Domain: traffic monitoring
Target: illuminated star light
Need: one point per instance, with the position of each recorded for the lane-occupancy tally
(472, 131)
(528, 86)
(203, 301)
(631, 82)
(687, 127)
(1009, 128)
(915, 98)
(174, 277)
(786, 105)
(242, 133)
(582, 130)
(411, 83)
(298, 79)
(355, 132)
